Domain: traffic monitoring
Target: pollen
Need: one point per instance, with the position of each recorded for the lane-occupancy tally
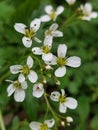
(61, 61)
(25, 70)
(29, 32)
(43, 127)
(46, 49)
(17, 84)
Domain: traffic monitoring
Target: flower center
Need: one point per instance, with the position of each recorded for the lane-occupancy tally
(17, 84)
(43, 127)
(61, 61)
(25, 70)
(48, 32)
(62, 99)
(46, 49)
(29, 32)
(52, 15)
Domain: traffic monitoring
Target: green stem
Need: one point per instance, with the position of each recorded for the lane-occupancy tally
(51, 110)
(68, 21)
(2, 126)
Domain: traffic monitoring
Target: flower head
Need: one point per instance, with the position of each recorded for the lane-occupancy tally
(51, 13)
(38, 90)
(44, 50)
(70, 2)
(25, 71)
(42, 126)
(17, 88)
(64, 102)
(87, 12)
(61, 61)
(29, 32)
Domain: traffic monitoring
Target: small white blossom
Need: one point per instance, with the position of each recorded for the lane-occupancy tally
(70, 2)
(17, 88)
(38, 90)
(29, 32)
(44, 50)
(42, 126)
(53, 32)
(62, 61)
(51, 13)
(87, 12)
(64, 102)
(25, 71)
(69, 120)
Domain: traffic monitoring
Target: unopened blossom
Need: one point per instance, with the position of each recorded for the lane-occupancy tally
(64, 102)
(18, 88)
(28, 31)
(61, 61)
(69, 120)
(45, 50)
(87, 13)
(70, 2)
(51, 13)
(25, 71)
(38, 90)
(47, 125)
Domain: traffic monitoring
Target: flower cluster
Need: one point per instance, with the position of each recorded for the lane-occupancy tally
(49, 63)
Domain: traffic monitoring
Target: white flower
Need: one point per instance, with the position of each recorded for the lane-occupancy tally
(51, 13)
(38, 90)
(25, 71)
(70, 2)
(42, 126)
(64, 102)
(29, 32)
(87, 12)
(61, 61)
(44, 50)
(17, 88)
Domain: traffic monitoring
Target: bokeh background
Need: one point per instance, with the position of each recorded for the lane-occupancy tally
(81, 38)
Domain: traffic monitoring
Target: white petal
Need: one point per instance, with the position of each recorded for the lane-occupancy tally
(93, 14)
(53, 27)
(71, 103)
(48, 40)
(35, 125)
(24, 85)
(10, 89)
(27, 42)
(15, 69)
(47, 57)
(35, 24)
(36, 51)
(55, 96)
(38, 90)
(37, 40)
(19, 27)
(74, 61)
(62, 49)
(19, 95)
(62, 108)
(49, 123)
(63, 92)
(53, 61)
(57, 34)
(87, 8)
(30, 62)
(59, 10)
(21, 78)
(48, 9)
(32, 76)
(70, 2)
(45, 18)
(60, 72)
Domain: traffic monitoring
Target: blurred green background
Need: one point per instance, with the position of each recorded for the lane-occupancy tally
(82, 83)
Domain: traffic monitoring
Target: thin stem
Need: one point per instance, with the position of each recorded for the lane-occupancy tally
(51, 110)
(67, 21)
(2, 126)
